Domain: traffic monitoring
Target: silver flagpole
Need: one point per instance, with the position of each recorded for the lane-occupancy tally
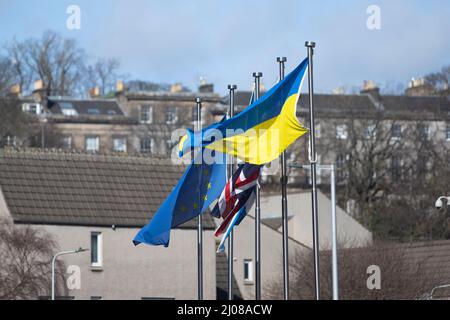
(313, 159)
(257, 76)
(200, 219)
(284, 208)
(334, 249)
(231, 87)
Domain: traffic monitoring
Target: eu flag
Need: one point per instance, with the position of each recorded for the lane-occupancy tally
(199, 186)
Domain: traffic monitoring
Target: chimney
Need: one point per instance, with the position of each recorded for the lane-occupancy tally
(120, 86)
(177, 87)
(16, 90)
(40, 93)
(419, 87)
(94, 92)
(38, 85)
(369, 87)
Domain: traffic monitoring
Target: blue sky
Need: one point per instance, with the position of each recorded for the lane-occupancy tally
(225, 41)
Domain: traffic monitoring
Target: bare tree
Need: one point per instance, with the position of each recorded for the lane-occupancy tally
(439, 80)
(6, 76)
(13, 122)
(403, 276)
(104, 74)
(58, 62)
(26, 254)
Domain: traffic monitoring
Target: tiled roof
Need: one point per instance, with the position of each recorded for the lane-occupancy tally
(434, 256)
(81, 189)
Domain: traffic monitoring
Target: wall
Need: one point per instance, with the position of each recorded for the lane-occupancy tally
(131, 272)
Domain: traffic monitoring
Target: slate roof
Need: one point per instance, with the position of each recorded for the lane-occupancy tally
(339, 105)
(91, 190)
(92, 107)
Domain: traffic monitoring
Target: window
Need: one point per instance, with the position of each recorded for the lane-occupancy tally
(341, 132)
(421, 164)
(67, 109)
(447, 132)
(147, 145)
(248, 270)
(8, 140)
(93, 111)
(370, 132)
(396, 132)
(146, 114)
(424, 131)
(120, 144)
(66, 142)
(340, 162)
(96, 249)
(92, 144)
(33, 108)
(396, 167)
(171, 115)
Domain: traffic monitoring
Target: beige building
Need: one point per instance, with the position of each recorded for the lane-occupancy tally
(100, 203)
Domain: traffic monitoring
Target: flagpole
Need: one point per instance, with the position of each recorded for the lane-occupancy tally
(200, 218)
(284, 209)
(231, 87)
(313, 160)
(257, 76)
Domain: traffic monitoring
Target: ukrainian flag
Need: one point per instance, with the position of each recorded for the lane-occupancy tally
(259, 134)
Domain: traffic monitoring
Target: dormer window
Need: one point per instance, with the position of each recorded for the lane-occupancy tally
(67, 109)
(93, 111)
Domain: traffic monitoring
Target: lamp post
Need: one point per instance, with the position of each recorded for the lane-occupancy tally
(334, 240)
(54, 261)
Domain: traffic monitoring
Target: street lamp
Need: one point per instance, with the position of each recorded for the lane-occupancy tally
(54, 261)
(439, 203)
(430, 296)
(334, 240)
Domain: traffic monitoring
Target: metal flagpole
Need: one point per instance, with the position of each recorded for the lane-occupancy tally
(231, 87)
(313, 159)
(284, 208)
(257, 76)
(334, 254)
(200, 218)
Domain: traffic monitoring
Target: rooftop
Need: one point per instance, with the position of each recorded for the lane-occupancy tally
(89, 190)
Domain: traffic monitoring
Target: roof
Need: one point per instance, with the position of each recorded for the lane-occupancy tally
(274, 222)
(92, 190)
(92, 107)
(340, 105)
(425, 107)
(433, 256)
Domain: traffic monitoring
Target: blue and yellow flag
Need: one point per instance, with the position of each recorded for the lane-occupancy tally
(200, 185)
(260, 133)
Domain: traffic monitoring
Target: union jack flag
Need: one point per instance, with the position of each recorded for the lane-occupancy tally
(236, 199)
